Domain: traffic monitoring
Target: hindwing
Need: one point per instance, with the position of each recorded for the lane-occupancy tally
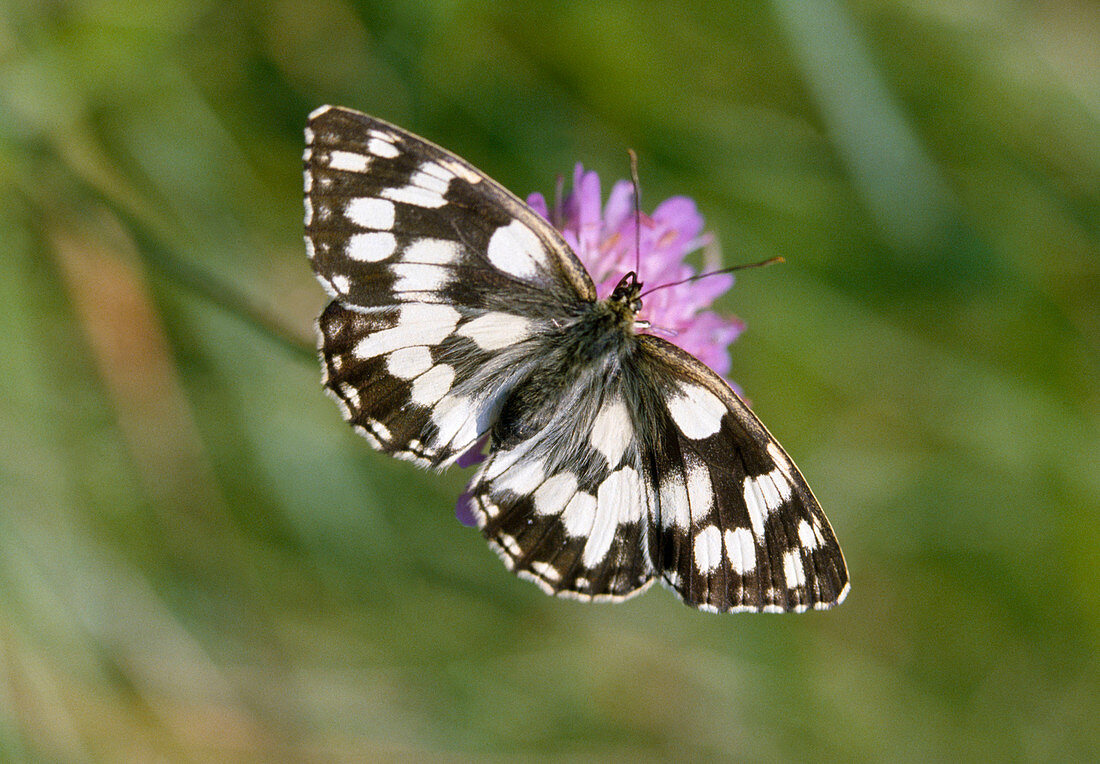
(736, 526)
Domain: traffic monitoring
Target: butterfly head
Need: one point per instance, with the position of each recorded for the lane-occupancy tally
(626, 295)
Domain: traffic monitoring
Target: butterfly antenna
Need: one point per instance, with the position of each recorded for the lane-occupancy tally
(637, 212)
(731, 269)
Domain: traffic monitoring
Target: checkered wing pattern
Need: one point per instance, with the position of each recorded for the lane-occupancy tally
(563, 495)
(650, 468)
(615, 458)
(735, 526)
(443, 282)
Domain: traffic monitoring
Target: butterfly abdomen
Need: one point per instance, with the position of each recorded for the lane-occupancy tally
(578, 365)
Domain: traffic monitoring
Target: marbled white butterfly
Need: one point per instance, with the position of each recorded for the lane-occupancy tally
(615, 458)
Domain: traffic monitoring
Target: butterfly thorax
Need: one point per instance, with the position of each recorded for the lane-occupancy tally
(578, 366)
(604, 333)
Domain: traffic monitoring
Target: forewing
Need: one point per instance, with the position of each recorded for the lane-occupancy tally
(391, 217)
(736, 528)
(444, 284)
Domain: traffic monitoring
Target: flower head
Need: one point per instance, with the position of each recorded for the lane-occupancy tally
(603, 237)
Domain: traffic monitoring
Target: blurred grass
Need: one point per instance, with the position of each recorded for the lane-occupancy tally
(199, 560)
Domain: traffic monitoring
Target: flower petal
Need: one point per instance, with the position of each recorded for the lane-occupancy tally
(604, 240)
(537, 202)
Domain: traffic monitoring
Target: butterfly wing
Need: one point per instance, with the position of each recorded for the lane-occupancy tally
(451, 297)
(563, 494)
(647, 465)
(442, 281)
(735, 526)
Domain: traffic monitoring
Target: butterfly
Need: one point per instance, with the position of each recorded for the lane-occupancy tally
(615, 458)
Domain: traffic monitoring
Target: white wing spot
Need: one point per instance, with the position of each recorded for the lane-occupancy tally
(806, 535)
(552, 496)
(454, 417)
(379, 429)
(699, 489)
(547, 571)
(763, 495)
(708, 549)
(502, 460)
(430, 181)
(340, 284)
(523, 478)
(350, 394)
(432, 252)
(348, 161)
(371, 247)
(792, 569)
(579, 514)
(741, 550)
(817, 533)
(510, 545)
(410, 362)
(493, 331)
(461, 170)
(415, 195)
(697, 411)
(381, 147)
(612, 430)
(418, 277)
(417, 324)
(619, 501)
(515, 249)
(433, 384)
(436, 170)
(775, 488)
(368, 212)
(674, 501)
(754, 503)
(384, 135)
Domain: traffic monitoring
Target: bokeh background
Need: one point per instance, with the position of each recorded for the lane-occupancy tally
(199, 560)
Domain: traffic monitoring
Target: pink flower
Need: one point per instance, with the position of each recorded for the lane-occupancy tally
(604, 241)
(602, 236)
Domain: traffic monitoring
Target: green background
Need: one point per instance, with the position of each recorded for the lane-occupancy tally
(198, 559)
